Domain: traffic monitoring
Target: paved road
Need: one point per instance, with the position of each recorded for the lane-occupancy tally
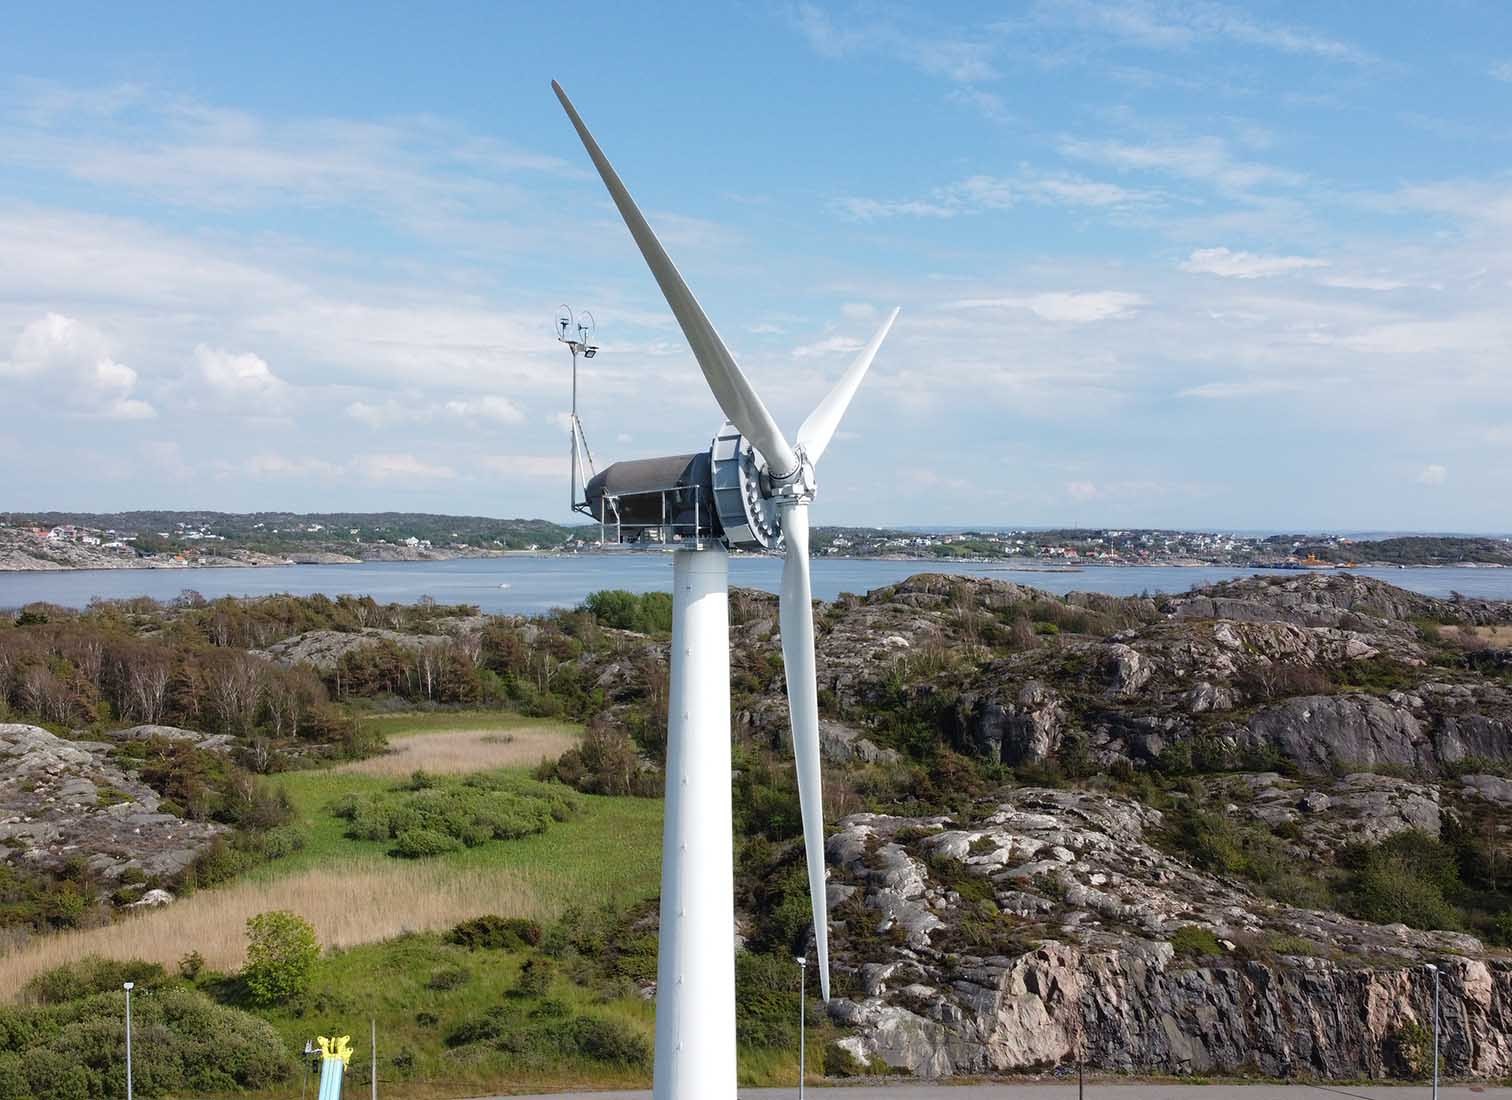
(1095, 1091)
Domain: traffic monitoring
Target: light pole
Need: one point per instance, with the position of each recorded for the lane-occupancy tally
(1434, 970)
(128, 986)
(309, 1052)
(802, 961)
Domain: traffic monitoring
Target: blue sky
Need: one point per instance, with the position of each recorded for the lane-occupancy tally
(1187, 264)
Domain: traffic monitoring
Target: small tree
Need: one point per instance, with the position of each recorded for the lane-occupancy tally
(281, 954)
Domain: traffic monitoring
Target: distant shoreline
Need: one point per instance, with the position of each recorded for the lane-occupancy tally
(999, 564)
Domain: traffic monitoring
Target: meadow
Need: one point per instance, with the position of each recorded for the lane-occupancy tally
(354, 892)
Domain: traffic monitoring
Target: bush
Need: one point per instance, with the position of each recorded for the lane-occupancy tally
(1194, 941)
(606, 1040)
(1407, 878)
(766, 1000)
(281, 954)
(422, 843)
(646, 613)
(498, 933)
(428, 816)
(189, 1045)
(536, 976)
(604, 762)
(450, 977)
(90, 975)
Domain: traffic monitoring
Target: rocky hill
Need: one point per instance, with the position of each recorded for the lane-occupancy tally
(65, 801)
(1233, 771)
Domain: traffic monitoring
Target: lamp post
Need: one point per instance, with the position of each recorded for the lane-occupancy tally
(309, 1052)
(1434, 970)
(802, 961)
(128, 986)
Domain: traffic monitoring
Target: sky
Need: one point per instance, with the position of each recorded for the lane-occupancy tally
(1186, 264)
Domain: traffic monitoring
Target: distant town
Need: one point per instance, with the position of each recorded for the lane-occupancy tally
(56, 540)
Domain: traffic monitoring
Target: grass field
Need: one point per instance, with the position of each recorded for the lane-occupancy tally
(353, 892)
(428, 988)
(452, 752)
(1500, 636)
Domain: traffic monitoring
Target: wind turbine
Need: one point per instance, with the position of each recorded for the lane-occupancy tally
(751, 490)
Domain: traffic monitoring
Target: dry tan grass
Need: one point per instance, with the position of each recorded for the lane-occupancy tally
(1493, 635)
(353, 905)
(456, 751)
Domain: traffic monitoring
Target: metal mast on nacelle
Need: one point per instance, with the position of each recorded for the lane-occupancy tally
(580, 342)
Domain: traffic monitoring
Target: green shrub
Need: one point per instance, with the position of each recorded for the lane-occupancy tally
(645, 613)
(450, 977)
(1279, 943)
(89, 975)
(429, 816)
(13, 1084)
(536, 976)
(1407, 878)
(497, 933)
(187, 1045)
(191, 965)
(766, 1000)
(839, 1062)
(606, 1040)
(605, 761)
(1194, 941)
(422, 843)
(1410, 1050)
(281, 954)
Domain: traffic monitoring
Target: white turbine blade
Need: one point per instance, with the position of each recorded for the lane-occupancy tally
(736, 398)
(820, 426)
(796, 611)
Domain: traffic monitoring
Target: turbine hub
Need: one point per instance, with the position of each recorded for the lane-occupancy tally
(743, 493)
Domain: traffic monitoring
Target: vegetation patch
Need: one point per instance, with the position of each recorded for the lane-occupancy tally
(186, 1044)
(429, 816)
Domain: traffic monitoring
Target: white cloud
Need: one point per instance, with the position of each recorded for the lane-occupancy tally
(865, 210)
(979, 193)
(65, 362)
(532, 467)
(1432, 474)
(1205, 159)
(1178, 26)
(831, 345)
(1065, 306)
(282, 466)
(1081, 490)
(1363, 282)
(1245, 265)
(1256, 387)
(1502, 70)
(391, 468)
(390, 411)
(244, 379)
(957, 58)
(499, 410)
(381, 415)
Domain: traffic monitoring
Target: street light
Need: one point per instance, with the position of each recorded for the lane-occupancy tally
(309, 1052)
(802, 961)
(1434, 970)
(128, 986)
